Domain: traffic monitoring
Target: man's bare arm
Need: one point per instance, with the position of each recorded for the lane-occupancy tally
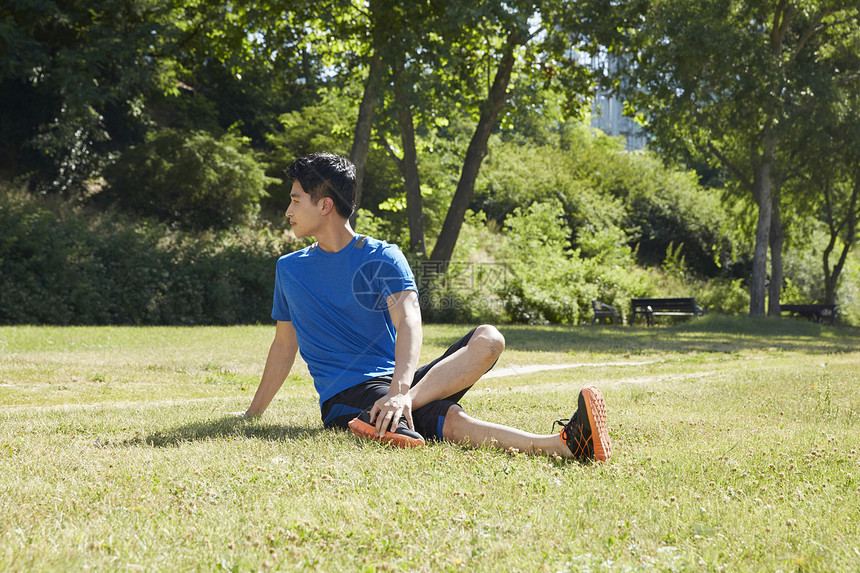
(282, 354)
(406, 317)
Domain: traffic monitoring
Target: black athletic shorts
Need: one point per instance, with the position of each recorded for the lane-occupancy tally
(338, 410)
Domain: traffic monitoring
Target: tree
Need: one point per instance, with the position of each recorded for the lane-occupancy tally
(72, 77)
(82, 81)
(830, 185)
(446, 61)
(477, 150)
(460, 59)
(363, 126)
(408, 164)
(238, 64)
(843, 221)
(727, 79)
(533, 39)
(191, 180)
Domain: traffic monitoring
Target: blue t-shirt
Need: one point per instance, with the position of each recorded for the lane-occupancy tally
(337, 304)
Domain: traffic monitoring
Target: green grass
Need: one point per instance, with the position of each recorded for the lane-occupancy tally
(735, 447)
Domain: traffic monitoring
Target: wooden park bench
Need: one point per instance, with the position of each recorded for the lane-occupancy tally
(603, 310)
(651, 307)
(814, 312)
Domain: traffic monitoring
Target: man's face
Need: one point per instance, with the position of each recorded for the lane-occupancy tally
(305, 217)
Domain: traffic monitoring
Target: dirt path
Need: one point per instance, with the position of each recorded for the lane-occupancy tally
(529, 368)
(495, 373)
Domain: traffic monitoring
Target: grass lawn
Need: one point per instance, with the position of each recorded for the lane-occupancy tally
(735, 448)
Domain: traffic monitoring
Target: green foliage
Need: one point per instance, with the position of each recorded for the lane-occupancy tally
(803, 284)
(82, 81)
(667, 207)
(328, 125)
(73, 80)
(675, 263)
(551, 283)
(190, 180)
(542, 273)
(467, 292)
(371, 225)
(445, 299)
(81, 84)
(64, 265)
(323, 126)
(724, 296)
(610, 194)
(754, 88)
(849, 292)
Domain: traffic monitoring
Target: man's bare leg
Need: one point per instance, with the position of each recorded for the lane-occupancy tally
(461, 369)
(461, 428)
(464, 367)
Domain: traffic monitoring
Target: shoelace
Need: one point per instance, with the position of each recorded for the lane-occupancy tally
(578, 445)
(560, 422)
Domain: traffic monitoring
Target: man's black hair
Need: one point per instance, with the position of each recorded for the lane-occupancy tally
(327, 175)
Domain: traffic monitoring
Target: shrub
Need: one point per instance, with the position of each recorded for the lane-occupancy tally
(725, 296)
(191, 180)
(61, 264)
(603, 188)
(466, 291)
(848, 291)
(552, 283)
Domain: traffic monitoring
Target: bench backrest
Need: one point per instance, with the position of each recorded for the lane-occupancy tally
(665, 303)
(807, 307)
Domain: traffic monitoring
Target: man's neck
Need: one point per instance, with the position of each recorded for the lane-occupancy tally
(336, 238)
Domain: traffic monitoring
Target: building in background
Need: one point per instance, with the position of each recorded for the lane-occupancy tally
(607, 115)
(607, 111)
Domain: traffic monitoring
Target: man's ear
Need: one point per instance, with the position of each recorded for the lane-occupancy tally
(327, 205)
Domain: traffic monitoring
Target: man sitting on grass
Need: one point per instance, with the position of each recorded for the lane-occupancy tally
(349, 304)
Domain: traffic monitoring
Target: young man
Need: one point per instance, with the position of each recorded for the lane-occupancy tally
(349, 304)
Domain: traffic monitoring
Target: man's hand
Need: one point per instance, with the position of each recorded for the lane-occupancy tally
(388, 410)
(246, 415)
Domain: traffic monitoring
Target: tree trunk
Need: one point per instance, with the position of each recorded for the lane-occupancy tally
(409, 168)
(829, 285)
(765, 192)
(850, 223)
(361, 138)
(777, 238)
(762, 187)
(831, 276)
(444, 249)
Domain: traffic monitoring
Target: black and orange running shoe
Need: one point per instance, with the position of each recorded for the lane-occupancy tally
(402, 437)
(585, 433)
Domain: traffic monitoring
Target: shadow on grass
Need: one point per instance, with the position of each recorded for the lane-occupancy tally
(223, 428)
(713, 333)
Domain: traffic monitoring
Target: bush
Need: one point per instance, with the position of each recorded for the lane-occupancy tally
(466, 292)
(848, 291)
(552, 283)
(604, 189)
(65, 265)
(192, 181)
(725, 296)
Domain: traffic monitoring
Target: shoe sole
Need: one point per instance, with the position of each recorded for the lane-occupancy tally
(596, 408)
(365, 430)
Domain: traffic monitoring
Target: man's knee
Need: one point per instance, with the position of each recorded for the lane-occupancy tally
(489, 341)
(456, 425)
